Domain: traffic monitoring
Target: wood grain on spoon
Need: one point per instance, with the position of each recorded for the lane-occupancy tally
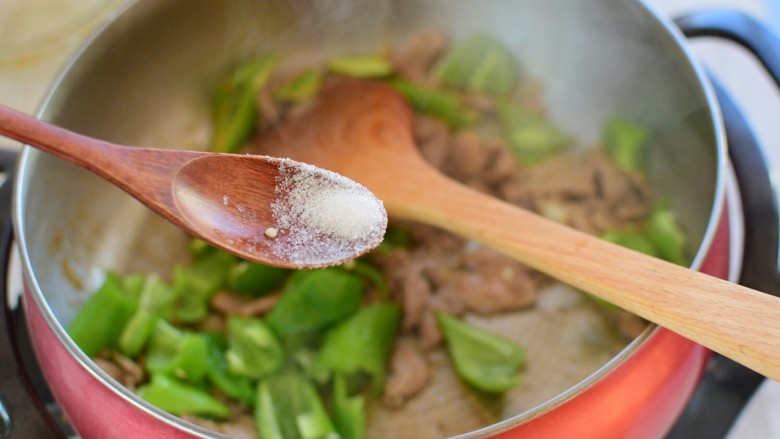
(228, 200)
(363, 130)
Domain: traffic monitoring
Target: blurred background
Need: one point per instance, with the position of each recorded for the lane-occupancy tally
(38, 36)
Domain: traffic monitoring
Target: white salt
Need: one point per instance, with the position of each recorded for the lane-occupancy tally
(322, 216)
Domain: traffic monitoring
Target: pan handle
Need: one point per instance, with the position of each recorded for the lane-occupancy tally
(22, 414)
(726, 381)
(759, 200)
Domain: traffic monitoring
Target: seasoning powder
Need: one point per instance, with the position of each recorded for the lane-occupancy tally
(321, 215)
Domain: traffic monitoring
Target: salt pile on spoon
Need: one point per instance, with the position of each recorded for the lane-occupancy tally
(320, 215)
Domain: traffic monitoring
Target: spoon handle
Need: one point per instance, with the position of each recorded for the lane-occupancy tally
(740, 323)
(144, 173)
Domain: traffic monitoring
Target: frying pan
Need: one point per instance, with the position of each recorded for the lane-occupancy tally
(146, 77)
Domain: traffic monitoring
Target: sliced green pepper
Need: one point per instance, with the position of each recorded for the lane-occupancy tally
(198, 248)
(479, 64)
(256, 279)
(667, 236)
(100, 321)
(486, 361)
(369, 273)
(395, 237)
(300, 88)
(137, 332)
(314, 300)
(156, 301)
(234, 105)
(626, 144)
(349, 412)
(288, 407)
(134, 285)
(178, 398)
(195, 284)
(361, 66)
(362, 344)
(253, 350)
(531, 138)
(234, 386)
(180, 353)
(442, 104)
(633, 239)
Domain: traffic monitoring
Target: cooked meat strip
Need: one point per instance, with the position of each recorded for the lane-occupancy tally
(230, 303)
(409, 373)
(133, 373)
(405, 278)
(491, 282)
(110, 368)
(120, 368)
(433, 140)
(271, 111)
(428, 330)
(415, 59)
(242, 427)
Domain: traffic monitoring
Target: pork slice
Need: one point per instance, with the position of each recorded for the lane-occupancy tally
(432, 242)
(404, 275)
(110, 368)
(433, 140)
(132, 372)
(468, 158)
(502, 165)
(415, 59)
(409, 373)
(271, 111)
(243, 427)
(121, 368)
(491, 282)
(415, 294)
(428, 330)
(230, 303)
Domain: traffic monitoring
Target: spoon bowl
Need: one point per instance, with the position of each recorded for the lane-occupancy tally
(232, 201)
(363, 129)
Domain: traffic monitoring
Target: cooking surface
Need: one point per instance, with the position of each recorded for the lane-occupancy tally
(25, 75)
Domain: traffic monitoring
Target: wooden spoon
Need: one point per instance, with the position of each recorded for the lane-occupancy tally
(363, 130)
(228, 200)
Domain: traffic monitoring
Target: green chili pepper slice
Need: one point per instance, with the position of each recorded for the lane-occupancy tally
(234, 105)
(361, 66)
(300, 88)
(101, 320)
(176, 352)
(195, 284)
(234, 386)
(486, 361)
(349, 412)
(664, 231)
(625, 144)
(441, 104)
(633, 239)
(156, 301)
(530, 138)
(362, 344)
(253, 349)
(178, 398)
(256, 279)
(289, 407)
(478, 64)
(314, 300)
